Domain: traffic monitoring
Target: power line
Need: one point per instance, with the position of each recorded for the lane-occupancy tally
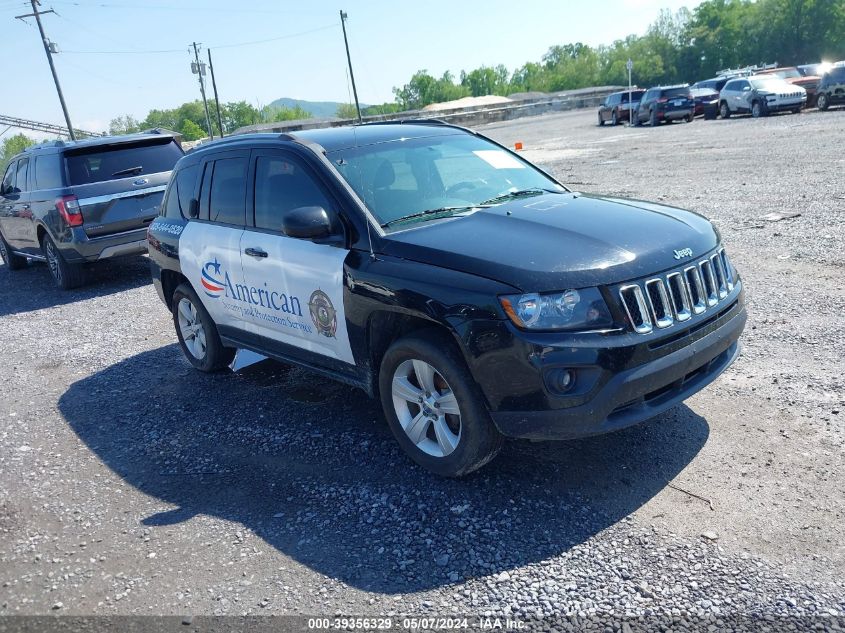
(181, 50)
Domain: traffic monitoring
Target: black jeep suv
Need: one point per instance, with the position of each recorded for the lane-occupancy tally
(69, 203)
(437, 270)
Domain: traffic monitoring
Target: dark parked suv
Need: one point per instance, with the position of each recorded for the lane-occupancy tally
(616, 107)
(70, 203)
(444, 274)
(665, 103)
(831, 88)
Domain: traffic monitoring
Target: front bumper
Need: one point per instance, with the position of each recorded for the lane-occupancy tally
(621, 379)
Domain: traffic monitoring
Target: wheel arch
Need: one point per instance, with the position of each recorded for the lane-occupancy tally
(170, 280)
(384, 327)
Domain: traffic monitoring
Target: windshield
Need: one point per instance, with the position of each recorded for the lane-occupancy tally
(454, 173)
(773, 84)
(676, 93)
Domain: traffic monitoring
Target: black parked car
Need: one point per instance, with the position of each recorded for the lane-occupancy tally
(831, 88)
(616, 107)
(437, 270)
(665, 103)
(706, 102)
(717, 83)
(70, 203)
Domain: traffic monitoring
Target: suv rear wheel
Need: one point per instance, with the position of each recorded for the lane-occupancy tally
(197, 332)
(65, 274)
(653, 119)
(614, 120)
(601, 120)
(434, 407)
(14, 262)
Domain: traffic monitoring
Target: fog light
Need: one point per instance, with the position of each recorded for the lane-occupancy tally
(560, 380)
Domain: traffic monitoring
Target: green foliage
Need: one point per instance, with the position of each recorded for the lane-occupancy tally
(424, 89)
(126, 124)
(384, 108)
(347, 111)
(12, 146)
(678, 47)
(191, 131)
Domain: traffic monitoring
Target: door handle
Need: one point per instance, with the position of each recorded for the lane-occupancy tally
(255, 252)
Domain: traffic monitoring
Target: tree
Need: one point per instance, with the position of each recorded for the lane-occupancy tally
(126, 124)
(347, 111)
(12, 146)
(486, 81)
(191, 131)
(424, 89)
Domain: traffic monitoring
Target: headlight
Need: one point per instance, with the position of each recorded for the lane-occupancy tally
(567, 310)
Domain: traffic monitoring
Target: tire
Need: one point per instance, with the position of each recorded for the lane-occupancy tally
(447, 444)
(601, 120)
(822, 101)
(688, 118)
(757, 110)
(12, 261)
(66, 275)
(796, 111)
(653, 119)
(724, 110)
(614, 120)
(203, 347)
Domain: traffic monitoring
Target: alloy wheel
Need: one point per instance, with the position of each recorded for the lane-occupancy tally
(426, 408)
(191, 328)
(53, 260)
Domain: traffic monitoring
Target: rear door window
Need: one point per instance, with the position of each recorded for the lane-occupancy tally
(125, 160)
(23, 168)
(227, 193)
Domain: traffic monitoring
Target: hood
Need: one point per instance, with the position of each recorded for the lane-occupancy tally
(557, 241)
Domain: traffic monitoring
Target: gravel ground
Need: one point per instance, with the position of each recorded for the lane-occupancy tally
(131, 484)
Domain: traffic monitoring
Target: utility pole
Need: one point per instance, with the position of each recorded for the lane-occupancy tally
(216, 98)
(37, 15)
(343, 17)
(630, 66)
(199, 69)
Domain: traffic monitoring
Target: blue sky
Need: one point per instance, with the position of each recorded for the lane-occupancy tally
(389, 41)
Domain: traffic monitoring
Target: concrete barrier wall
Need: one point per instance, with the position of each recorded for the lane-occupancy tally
(471, 116)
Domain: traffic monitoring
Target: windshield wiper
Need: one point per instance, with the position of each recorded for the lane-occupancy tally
(128, 170)
(429, 212)
(519, 193)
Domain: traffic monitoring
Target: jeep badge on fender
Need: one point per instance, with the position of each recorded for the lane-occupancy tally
(469, 291)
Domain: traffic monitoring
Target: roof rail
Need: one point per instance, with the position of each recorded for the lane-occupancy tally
(422, 121)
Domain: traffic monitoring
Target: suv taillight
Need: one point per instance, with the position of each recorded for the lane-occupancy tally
(68, 207)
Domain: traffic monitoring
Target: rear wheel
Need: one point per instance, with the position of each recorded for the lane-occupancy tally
(614, 120)
(434, 407)
(796, 110)
(65, 274)
(14, 262)
(653, 119)
(724, 110)
(822, 101)
(688, 118)
(601, 120)
(197, 332)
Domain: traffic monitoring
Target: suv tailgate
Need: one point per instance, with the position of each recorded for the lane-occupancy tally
(120, 187)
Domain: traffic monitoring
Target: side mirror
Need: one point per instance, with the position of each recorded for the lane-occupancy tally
(194, 208)
(745, 88)
(307, 223)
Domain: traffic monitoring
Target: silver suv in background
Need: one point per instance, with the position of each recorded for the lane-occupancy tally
(760, 95)
(71, 203)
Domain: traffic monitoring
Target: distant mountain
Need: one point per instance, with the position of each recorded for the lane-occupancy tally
(318, 109)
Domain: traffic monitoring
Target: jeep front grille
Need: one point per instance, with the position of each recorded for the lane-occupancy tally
(663, 300)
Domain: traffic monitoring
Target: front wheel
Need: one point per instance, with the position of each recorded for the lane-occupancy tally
(65, 274)
(14, 262)
(756, 110)
(197, 332)
(822, 102)
(724, 110)
(434, 407)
